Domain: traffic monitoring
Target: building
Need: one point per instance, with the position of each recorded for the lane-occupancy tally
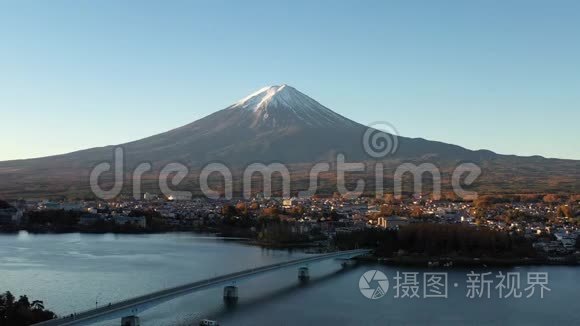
(288, 203)
(149, 196)
(382, 222)
(392, 222)
(467, 219)
(48, 205)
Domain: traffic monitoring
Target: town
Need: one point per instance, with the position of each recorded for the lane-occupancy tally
(550, 223)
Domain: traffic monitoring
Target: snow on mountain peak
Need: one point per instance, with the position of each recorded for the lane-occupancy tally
(282, 103)
(276, 95)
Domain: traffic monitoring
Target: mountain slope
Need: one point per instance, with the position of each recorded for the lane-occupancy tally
(277, 123)
(274, 124)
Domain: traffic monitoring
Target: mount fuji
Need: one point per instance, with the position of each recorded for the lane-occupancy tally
(284, 106)
(276, 124)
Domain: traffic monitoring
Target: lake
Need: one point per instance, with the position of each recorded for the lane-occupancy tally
(74, 272)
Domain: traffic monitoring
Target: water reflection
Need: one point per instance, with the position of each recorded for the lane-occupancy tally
(73, 272)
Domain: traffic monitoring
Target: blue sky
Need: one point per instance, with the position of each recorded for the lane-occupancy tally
(499, 75)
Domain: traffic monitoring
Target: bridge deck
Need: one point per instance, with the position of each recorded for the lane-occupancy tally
(170, 293)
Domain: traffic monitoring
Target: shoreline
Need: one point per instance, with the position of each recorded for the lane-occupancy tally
(225, 234)
(53, 230)
(318, 247)
(453, 262)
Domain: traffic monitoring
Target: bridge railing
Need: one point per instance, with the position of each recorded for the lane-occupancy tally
(184, 288)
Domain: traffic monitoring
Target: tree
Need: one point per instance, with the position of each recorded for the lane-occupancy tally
(551, 198)
(4, 205)
(241, 208)
(254, 206)
(37, 305)
(484, 201)
(450, 196)
(23, 302)
(387, 210)
(270, 212)
(565, 211)
(416, 211)
(390, 199)
(22, 312)
(8, 299)
(229, 210)
(54, 217)
(297, 210)
(153, 218)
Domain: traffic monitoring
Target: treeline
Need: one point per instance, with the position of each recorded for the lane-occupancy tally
(438, 240)
(153, 218)
(384, 242)
(4, 205)
(487, 200)
(53, 217)
(280, 233)
(68, 221)
(269, 226)
(22, 312)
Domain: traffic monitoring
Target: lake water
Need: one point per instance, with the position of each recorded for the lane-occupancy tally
(74, 272)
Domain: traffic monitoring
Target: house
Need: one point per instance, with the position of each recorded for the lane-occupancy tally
(288, 203)
(48, 205)
(149, 196)
(467, 219)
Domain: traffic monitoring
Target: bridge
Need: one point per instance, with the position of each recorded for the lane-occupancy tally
(128, 309)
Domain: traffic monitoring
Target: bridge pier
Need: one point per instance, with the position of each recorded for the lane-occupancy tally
(231, 294)
(303, 274)
(130, 321)
(133, 306)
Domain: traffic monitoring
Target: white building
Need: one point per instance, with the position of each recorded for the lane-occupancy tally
(149, 196)
(288, 203)
(382, 222)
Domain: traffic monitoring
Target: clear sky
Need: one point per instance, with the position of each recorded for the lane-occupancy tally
(500, 75)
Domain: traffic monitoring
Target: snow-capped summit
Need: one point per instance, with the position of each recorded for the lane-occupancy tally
(266, 95)
(283, 105)
(278, 95)
(274, 124)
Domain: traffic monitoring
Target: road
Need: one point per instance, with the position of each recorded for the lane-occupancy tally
(137, 304)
